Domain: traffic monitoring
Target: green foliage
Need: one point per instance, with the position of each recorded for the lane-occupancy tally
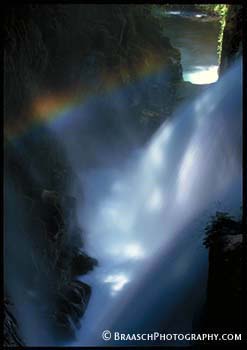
(215, 10)
(222, 10)
(219, 10)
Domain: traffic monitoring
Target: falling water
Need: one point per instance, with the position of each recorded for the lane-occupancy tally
(144, 217)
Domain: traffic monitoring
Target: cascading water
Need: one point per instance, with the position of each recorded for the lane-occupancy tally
(144, 218)
(86, 175)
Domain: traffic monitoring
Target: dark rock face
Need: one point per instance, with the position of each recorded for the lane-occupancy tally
(70, 305)
(224, 306)
(43, 241)
(89, 44)
(50, 49)
(232, 38)
(11, 331)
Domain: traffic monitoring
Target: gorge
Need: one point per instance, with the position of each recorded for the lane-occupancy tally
(121, 142)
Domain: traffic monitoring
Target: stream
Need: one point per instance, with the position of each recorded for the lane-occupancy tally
(196, 38)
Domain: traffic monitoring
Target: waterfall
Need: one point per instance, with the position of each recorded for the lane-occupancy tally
(144, 217)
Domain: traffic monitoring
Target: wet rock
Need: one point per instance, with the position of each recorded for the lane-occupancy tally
(233, 242)
(50, 197)
(224, 305)
(82, 263)
(62, 327)
(11, 330)
(232, 37)
(71, 303)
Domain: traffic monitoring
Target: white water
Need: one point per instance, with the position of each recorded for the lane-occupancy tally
(136, 213)
(197, 42)
(202, 75)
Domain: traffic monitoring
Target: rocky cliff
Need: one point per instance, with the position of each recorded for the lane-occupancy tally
(11, 329)
(232, 37)
(52, 50)
(43, 243)
(224, 308)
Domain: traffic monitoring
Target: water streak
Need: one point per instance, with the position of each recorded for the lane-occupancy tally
(145, 221)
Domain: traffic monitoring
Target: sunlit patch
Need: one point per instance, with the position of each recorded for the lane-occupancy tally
(131, 251)
(134, 251)
(156, 149)
(202, 75)
(174, 13)
(155, 153)
(166, 133)
(155, 200)
(186, 166)
(185, 176)
(117, 282)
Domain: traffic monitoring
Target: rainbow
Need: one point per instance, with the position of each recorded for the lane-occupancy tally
(47, 107)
